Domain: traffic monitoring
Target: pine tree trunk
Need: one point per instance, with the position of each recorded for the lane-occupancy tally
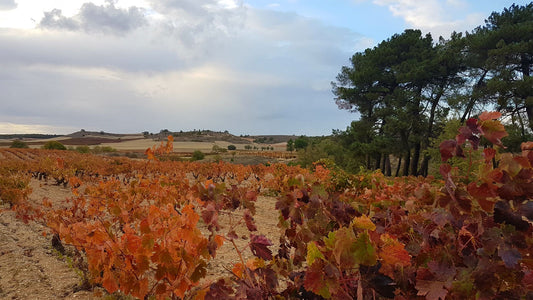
(387, 166)
(378, 161)
(424, 167)
(398, 168)
(415, 160)
(407, 163)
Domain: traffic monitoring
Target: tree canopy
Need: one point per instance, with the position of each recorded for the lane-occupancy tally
(405, 88)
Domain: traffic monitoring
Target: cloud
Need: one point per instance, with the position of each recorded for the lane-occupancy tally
(55, 19)
(141, 51)
(8, 4)
(96, 18)
(191, 64)
(435, 16)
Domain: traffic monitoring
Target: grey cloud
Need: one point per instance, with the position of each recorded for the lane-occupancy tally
(97, 18)
(111, 19)
(8, 4)
(55, 19)
(47, 96)
(200, 24)
(137, 52)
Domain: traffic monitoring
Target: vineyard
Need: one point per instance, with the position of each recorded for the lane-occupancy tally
(154, 229)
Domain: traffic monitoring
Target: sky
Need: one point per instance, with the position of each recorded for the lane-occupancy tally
(246, 66)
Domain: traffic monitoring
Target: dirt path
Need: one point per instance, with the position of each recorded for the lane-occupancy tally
(31, 269)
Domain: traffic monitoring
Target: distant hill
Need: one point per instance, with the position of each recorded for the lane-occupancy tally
(84, 137)
(83, 133)
(212, 136)
(206, 136)
(27, 136)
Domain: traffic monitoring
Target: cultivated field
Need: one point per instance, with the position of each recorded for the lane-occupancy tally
(159, 228)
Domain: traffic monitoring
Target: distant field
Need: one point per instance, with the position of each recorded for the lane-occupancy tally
(141, 144)
(138, 142)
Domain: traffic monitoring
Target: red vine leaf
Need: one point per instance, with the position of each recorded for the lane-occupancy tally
(315, 280)
(448, 149)
(249, 220)
(259, 244)
(492, 115)
(489, 154)
(109, 283)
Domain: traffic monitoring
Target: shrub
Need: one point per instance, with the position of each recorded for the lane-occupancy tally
(131, 155)
(232, 147)
(104, 149)
(82, 149)
(197, 155)
(18, 144)
(217, 149)
(54, 145)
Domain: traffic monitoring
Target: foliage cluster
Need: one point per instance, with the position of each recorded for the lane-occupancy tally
(54, 145)
(197, 155)
(18, 144)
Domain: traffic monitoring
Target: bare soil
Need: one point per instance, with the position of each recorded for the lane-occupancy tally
(30, 268)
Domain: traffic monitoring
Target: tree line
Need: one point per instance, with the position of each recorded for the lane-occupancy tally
(408, 87)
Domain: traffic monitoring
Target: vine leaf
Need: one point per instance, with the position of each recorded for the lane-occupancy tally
(489, 154)
(449, 149)
(109, 283)
(489, 115)
(344, 247)
(491, 128)
(313, 253)
(210, 216)
(249, 220)
(432, 290)
(509, 256)
(393, 252)
(365, 253)
(364, 222)
(315, 280)
(238, 270)
(469, 132)
(259, 244)
(429, 287)
(484, 194)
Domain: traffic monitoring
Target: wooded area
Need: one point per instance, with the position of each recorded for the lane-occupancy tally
(408, 87)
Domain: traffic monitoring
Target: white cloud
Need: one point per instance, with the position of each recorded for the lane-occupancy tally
(434, 16)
